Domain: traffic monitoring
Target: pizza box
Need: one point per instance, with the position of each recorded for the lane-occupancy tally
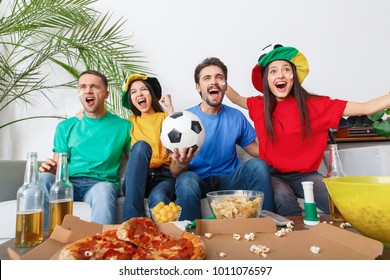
(73, 229)
(334, 243)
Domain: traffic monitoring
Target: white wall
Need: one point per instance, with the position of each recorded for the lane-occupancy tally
(346, 42)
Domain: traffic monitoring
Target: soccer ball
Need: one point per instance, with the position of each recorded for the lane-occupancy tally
(182, 130)
(267, 49)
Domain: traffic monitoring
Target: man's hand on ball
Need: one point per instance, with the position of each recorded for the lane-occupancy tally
(184, 157)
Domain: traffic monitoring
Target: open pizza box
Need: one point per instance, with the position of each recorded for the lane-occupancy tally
(71, 230)
(334, 243)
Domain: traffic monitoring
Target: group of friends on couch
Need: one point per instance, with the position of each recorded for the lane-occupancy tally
(287, 141)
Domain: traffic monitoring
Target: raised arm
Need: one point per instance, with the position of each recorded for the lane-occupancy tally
(236, 98)
(367, 108)
(166, 100)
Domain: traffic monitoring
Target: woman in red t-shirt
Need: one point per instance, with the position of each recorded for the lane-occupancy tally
(292, 124)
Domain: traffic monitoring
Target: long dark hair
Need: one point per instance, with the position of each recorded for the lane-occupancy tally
(300, 95)
(155, 104)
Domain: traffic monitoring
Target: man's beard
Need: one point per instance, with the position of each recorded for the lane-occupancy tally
(213, 103)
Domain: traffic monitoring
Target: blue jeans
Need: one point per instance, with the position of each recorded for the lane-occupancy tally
(142, 182)
(251, 175)
(101, 197)
(288, 187)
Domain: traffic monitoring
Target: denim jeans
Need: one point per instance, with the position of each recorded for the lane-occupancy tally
(251, 175)
(101, 197)
(288, 187)
(142, 182)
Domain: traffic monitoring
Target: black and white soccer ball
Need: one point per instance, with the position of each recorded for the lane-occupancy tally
(182, 130)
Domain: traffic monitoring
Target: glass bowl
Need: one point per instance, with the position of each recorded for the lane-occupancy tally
(233, 204)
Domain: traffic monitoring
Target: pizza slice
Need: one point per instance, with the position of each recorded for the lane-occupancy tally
(135, 239)
(143, 233)
(103, 246)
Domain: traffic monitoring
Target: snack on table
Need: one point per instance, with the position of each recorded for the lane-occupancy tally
(249, 236)
(260, 250)
(314, 249)
(236, 236)
(236, 207)
(282, 232)
(137, 239)
(103, 246)
(162, 213)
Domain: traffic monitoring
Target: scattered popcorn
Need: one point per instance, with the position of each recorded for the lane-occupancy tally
(222, 255)
(314, 249)
(260, 250)
(208, 235)
(249, 236)
(290, 225)
(236, 236)
(344, 225)
(324, 222)
(331, 222)
(281, 232)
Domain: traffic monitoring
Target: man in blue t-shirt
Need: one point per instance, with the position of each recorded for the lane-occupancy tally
(215, 166)
(95, 145)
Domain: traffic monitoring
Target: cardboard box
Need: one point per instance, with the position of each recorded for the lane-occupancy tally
(334, 243)
(71, 230)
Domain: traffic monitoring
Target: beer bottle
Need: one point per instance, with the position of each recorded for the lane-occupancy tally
(334, 170)
(29, 207)
(61, 194)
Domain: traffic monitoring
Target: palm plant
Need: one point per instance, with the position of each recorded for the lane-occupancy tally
(380, 124)
(38, 37)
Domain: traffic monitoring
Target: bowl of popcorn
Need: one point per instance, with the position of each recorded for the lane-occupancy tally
(163, 213)
(233, 204)
(364, 201)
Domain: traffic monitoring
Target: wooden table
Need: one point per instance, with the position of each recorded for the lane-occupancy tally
(298, 225)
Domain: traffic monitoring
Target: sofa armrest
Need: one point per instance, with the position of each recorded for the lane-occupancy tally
(11, 178)
(365, 161)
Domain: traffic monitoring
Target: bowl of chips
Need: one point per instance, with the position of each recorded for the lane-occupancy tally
(364, 201)
(233, 204)
(163, 213)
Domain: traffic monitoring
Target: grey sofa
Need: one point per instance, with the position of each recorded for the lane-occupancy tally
(370, 160)
(11, 178)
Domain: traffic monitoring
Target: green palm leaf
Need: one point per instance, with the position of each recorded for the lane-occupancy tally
(38, 35)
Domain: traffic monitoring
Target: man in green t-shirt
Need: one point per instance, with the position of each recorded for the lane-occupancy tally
(95, 145)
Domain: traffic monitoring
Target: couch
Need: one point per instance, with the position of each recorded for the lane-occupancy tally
(369, 160)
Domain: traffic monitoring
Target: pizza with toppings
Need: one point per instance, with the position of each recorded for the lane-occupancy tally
(135, 239)
(103, 246)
